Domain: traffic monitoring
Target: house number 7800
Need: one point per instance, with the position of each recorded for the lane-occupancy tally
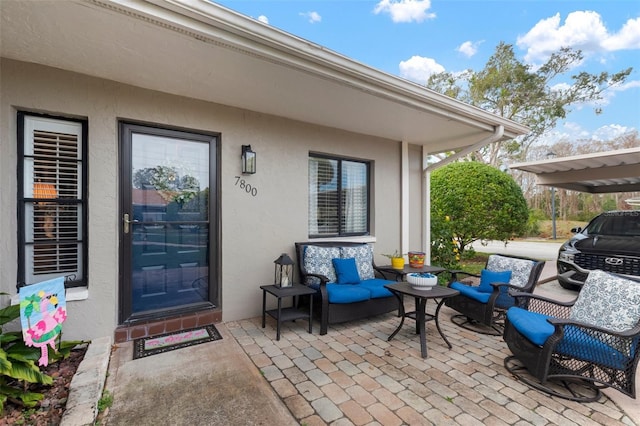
(242, 184)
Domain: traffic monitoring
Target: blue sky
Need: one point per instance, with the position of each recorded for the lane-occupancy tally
(413, 38)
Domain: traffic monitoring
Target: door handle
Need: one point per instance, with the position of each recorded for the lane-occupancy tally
(126, 221)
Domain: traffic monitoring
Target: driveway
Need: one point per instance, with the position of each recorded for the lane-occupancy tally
(543, 250)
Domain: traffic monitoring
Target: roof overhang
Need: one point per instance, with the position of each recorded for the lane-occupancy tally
(597, 173)
(204, 51)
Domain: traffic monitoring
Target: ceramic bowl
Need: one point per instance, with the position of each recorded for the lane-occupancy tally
(422, 281)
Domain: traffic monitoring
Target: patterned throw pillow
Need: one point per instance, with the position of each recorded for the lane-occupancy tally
(363, 255)
(318, 260)
(608, 301)
(520, 268)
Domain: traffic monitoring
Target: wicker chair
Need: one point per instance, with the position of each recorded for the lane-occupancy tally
(572, 350)
(482, 307)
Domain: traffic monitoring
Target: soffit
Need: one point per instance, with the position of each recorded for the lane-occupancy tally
(203, 51)
(602, 172)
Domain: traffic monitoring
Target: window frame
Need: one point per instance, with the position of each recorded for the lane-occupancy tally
(71, 280)
(368, 165)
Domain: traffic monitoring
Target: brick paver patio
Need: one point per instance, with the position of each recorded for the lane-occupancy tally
(353, 376)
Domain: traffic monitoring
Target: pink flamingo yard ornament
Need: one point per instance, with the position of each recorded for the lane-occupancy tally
(42, 312)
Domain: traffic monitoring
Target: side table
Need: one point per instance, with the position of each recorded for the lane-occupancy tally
(287, 314)
(419, 315)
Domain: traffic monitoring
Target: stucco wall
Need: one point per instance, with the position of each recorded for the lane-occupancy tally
(254, 230)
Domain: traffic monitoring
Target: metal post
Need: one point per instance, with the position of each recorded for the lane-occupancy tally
(553, 211)
(551, 155)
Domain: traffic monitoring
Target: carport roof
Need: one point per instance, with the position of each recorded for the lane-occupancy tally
(601, 172)
(201, 50)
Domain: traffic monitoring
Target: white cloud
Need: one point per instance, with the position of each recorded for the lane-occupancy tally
(263, 19)
(469, 48)
(627, 38)
(419, 69)
(405, 10)
(313, 17)
(571, 132)
(583, 30)
(610, 132)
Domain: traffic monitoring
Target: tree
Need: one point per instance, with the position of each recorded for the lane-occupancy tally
(473, 201)
(532, 97)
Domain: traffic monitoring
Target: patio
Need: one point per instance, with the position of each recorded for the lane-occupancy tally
(352, 375)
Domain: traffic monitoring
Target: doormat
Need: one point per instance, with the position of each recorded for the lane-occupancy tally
(180, 339)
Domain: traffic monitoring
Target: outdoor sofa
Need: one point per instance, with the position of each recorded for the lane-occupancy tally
(349, 285)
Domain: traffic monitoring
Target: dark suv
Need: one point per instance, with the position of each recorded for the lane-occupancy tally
(611, 242)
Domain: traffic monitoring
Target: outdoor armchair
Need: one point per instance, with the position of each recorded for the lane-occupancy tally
(572, 350)
(482, 307)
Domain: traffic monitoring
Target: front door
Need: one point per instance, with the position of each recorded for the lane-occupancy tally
(168, 222)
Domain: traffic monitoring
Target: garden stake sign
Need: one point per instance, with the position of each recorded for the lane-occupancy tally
(43, 309)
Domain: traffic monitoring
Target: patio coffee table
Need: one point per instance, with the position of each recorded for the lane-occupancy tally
(419, 315)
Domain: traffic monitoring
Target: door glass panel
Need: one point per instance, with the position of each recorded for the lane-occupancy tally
(169, 226)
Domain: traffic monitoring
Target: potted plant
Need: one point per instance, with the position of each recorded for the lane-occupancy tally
(416, 259)
(397, 259)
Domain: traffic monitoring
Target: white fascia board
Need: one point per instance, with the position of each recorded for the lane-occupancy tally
(212, 23)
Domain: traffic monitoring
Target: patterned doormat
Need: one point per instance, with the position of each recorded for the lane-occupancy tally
(180, 339)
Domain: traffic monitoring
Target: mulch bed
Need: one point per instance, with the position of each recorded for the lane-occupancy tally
(50, 409)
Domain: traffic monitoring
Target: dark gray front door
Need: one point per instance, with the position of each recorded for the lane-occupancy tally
(168, 221)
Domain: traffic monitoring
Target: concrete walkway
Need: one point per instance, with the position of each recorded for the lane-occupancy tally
(212, 383)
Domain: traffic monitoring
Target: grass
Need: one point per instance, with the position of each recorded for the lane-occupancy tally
(563, 228)
(476, 263)
(105, 402)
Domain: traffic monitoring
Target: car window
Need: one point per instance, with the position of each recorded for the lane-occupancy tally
(618, 225)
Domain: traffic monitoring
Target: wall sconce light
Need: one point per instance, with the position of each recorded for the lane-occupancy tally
(283, 276)
(248, 160)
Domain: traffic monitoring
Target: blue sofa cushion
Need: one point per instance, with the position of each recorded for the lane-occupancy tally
(487, 277)
(376, 287)
(346, 271)
(471, 292)
(339, 293)
(532, 325)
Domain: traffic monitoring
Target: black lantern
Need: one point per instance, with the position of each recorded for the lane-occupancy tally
(283, 276)
(248, 160)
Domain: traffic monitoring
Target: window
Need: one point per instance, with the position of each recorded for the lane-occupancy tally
(338, 197)
(52, 199)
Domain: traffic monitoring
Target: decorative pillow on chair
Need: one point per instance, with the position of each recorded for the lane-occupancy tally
(608, 301)
(346, 271)
(520, 268)
(487, 277)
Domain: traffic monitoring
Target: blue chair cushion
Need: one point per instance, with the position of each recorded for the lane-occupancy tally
(339, 293)
(376, 287)
(346, 271)
(532, 325)
(583, 345)
(487, 277)
(471, 292)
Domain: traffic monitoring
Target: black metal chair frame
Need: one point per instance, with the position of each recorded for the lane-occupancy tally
(562, 373)
(488, 318)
